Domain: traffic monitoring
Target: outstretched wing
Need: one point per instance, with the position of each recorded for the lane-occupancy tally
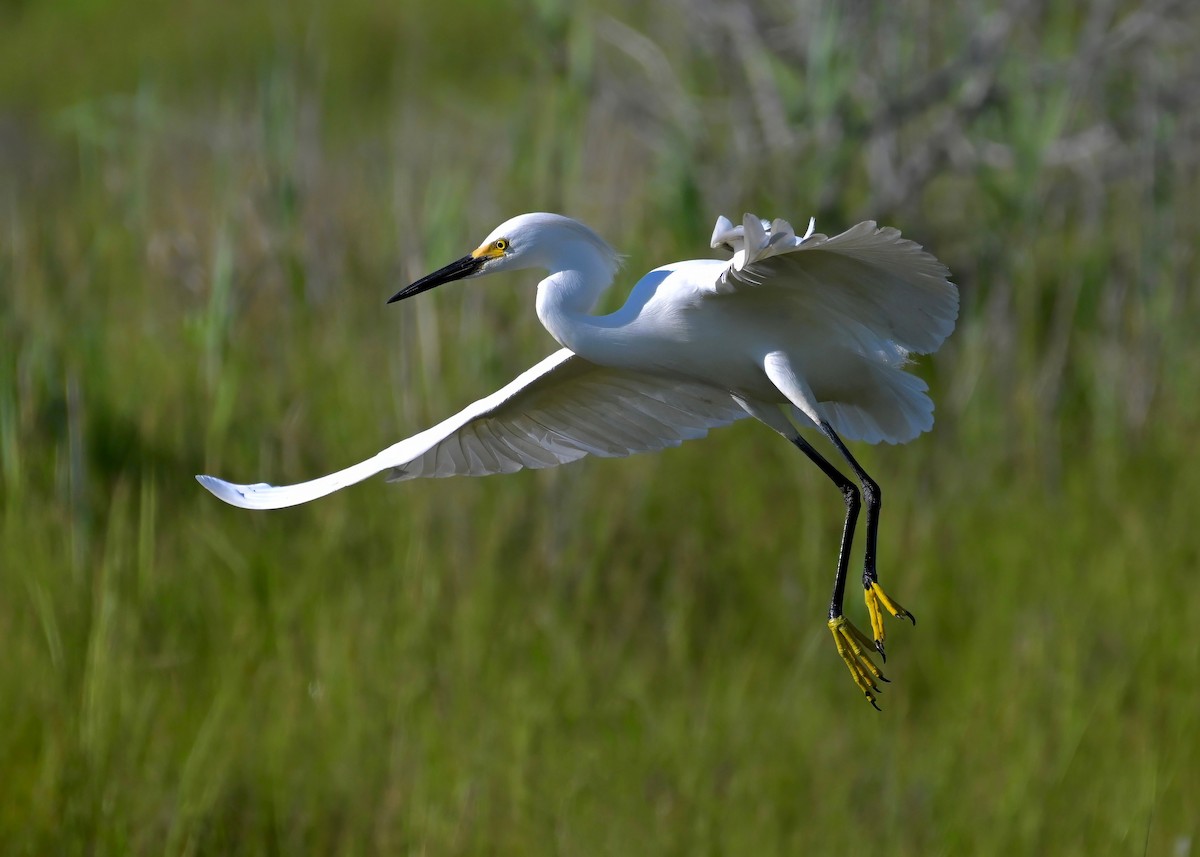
(868, 284)
(560, 410)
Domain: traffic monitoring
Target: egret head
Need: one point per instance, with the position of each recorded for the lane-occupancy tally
(536, 240)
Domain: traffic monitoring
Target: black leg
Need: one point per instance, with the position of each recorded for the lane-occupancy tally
(849, 640)
(875, 595)
(850, 494)
(874, 500)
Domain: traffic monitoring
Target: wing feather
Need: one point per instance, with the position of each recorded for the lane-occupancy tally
(869, 284)
(559, 411)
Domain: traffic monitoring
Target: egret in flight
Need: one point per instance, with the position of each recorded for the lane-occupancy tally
(798, 331)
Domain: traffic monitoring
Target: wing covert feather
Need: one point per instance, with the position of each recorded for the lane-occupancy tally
(868, 284)
(559, 411)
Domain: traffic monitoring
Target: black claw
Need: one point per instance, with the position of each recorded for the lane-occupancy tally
(879, 648)
(882, 677)
(911, 618)
(873, 705)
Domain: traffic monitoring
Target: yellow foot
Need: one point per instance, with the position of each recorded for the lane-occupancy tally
(852, 645)
(876, 598)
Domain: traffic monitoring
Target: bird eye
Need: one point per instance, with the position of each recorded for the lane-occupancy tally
(501, 245)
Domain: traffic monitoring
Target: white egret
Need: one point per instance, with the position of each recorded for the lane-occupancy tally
(797, 331)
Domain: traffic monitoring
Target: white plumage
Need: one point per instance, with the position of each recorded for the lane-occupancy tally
(687, 353)
(558, 411)
(794, 330)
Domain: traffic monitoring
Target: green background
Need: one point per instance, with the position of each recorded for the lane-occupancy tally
(203, 206)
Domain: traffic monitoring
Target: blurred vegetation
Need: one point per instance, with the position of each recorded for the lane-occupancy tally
(202, 209)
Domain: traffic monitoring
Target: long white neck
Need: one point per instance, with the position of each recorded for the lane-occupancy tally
(579, 275)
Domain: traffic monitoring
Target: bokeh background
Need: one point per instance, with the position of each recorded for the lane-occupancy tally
(203, 207)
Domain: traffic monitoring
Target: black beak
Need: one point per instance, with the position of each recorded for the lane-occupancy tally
(464, 267)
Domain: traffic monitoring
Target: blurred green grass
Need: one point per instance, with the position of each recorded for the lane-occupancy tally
(201, 213)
